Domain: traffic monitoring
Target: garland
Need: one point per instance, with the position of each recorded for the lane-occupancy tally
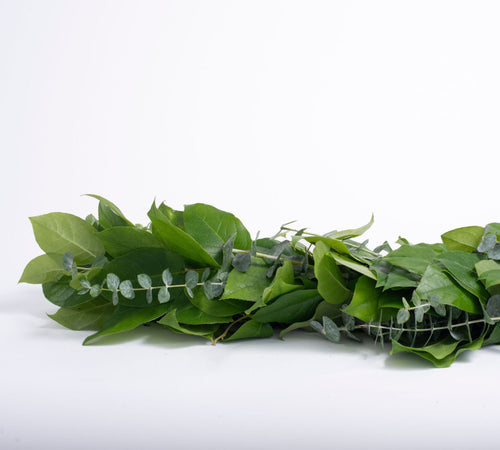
(199, 272)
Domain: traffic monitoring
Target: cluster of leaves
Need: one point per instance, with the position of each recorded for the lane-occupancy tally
(199, 272)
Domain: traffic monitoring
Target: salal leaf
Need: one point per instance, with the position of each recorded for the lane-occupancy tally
(436, 281)
(330, 282)
(178, 240)
(347, 234)
(125, 318)
(282, 283)
(488, 272)
(461, 266)
(247, 286)
(335, 244)
(89, 316)
(61, 233)
(251, 329)
(368, 301)
(109, 214)
(211, 228)
(465, 239)
(345, 261)
(61, 294)
(218, 308)
(292, 307)
(170, 320)
(414, 258)
(118, 241)
(189, 314)
(441, 354)
(42, 269)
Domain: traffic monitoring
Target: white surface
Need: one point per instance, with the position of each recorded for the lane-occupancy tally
(322, 112)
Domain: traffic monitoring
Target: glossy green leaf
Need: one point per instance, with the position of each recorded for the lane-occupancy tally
(295, 306)
(125, 318)
(465, 239)
(436, 281)
(42, 269)
(218, 307)
(109, 214)
(247, 286)
(414, 258)
(346, 234)
(461, 266)
(59, 233)
(330, 282)
(251, 329)
(348, 262)
(441, 354)
(488, 272)
(282, 283)
(119, 241)
(61, 294)
(89, 316)
(178, 240)
(204, 330)
(335, 244)
(211, 228)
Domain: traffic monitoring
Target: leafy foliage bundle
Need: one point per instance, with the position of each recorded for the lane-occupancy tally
(199, 272)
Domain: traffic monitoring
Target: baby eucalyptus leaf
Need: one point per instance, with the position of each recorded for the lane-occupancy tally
(493, 306)
(112, 281)
(95, 290)
(67, 261)
(242, 262)
(115, 298)
(167, 278)
(191, 279)
(163, 295)
(100, 261)
(494, 253)
(205, 275)
(419, 314)
(402, 316)
(316, 326)
(144, 280)
(332, 331)
(189, 292)
(487, 243)
(208, 290)
(85, 283)
(127, 289)
(149, 296)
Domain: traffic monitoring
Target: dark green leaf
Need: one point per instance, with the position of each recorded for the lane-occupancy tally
(211, 228)
(205, 330)
(218, 308)
(251, 329)
(414, 258)
(295, 306)
(89, 316)
(61, 294)
(178, 240)
(121, 240)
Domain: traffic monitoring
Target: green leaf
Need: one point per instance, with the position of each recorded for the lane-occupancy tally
(109, 214)
(118, 241)
(465, 239)
(42, 269)
(211, 228)
(353, 265)
(367, 301)
(282, 283)
(414, 258)
(295, 306)
(188, 314)
(247, 286)
(436, 281)
(347, 234)
(126, 318)
(488, 272)
(59, 233)
(461, 266)
(330, 282)
(205, 330)
(251, 329)
(336, 244)
(178, 240)
(218, 308)
(441, 354)
(61, 294)
(89, 316)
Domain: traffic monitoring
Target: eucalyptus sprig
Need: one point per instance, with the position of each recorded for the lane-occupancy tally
(199, 272)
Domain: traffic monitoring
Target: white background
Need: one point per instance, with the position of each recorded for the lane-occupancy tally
(319, 111)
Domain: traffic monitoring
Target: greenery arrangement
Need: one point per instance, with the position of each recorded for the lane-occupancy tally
(199, 272)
